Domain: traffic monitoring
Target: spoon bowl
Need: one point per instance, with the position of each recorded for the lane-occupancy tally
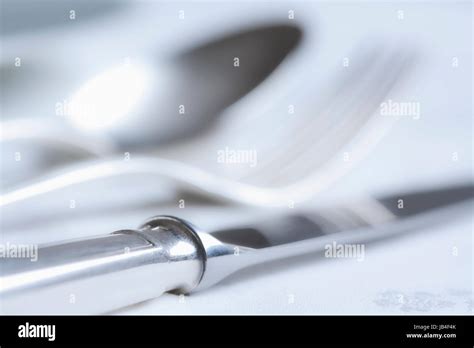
(143, 103)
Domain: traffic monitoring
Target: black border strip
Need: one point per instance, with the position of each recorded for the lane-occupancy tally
(157, 330)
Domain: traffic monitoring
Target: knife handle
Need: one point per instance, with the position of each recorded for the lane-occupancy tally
(103, 273)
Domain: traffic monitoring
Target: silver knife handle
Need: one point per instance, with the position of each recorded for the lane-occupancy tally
(99, 274)
(103, 273)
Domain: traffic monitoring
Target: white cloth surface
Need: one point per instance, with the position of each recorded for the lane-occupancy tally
(428, 272)
(413, 275)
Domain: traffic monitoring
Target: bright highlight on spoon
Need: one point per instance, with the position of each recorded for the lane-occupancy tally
(109, 97)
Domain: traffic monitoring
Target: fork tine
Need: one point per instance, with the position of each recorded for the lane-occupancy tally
(354, 105)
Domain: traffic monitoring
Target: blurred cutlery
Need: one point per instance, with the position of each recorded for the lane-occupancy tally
(141, 104)
(312, 157)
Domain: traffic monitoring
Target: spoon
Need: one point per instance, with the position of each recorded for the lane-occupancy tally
(142, 103)
(138, 103)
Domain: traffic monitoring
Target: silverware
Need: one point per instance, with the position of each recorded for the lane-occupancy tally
(296, 169)
(106, 272)
(183, 94)
(138, 105)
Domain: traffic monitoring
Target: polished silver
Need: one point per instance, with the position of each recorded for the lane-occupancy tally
(103, 273)
(200, 77)
(329, 120)
(99, 274)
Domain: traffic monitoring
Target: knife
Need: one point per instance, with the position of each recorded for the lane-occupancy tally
(168, 254)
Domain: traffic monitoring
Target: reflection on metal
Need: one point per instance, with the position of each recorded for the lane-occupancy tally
(169, 254)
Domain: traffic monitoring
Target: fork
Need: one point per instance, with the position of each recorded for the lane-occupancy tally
(296, 172)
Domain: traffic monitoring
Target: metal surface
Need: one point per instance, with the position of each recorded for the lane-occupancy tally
(330, 118)
(100, 274)
(197, 78)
